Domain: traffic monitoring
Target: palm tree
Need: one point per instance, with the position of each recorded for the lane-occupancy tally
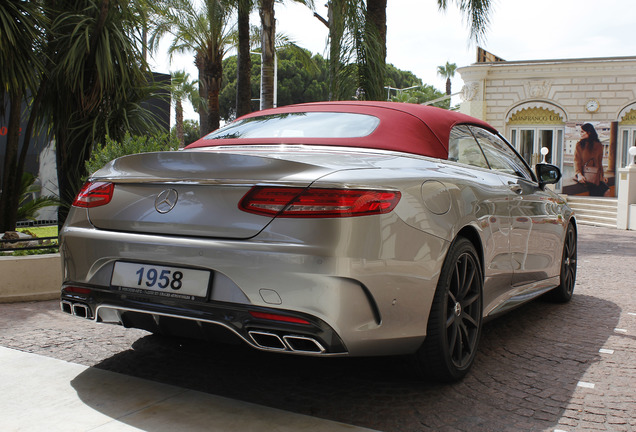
(206, 32)
(357, 56)
(448, 72)
(97, 82)
(21, 39)
(244, 59)
(376, 33)
(93, 82)
(182, 88)
(477, 11)
(268, 49)
(355, 51)
(268, 35)
(282, 42)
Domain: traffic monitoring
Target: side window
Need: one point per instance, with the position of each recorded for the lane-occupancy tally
(500, 155)
(463, 148)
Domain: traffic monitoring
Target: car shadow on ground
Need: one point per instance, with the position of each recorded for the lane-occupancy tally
(525, 373)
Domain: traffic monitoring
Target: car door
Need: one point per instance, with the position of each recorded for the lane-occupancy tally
(489, 198)
(535, 227)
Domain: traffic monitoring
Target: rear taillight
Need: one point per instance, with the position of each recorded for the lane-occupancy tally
(94, 194)
(317, 202)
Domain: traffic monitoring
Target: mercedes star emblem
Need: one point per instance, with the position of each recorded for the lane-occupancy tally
(166, 200)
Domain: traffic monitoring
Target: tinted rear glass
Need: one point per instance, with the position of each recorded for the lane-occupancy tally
(300, 125)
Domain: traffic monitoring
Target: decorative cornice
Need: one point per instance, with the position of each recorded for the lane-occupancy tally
(623, 66)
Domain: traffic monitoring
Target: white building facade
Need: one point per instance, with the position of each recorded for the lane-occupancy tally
(543, 103)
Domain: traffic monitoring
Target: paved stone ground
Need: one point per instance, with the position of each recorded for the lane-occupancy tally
(543, 367)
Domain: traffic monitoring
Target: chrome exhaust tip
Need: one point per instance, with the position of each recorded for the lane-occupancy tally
(67, 307)
(303, 344)
(268, 341)
(81, 310)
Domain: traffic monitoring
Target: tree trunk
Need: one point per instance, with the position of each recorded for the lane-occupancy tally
(28, 132)
(213, 79)
(448, 86)
(376, 17)
(72, 152)
(268, 37)
(11, 178)
(244, 61)
(204, 128)
(63, 179)
(336, 28)
(179, 122)
(376, 13)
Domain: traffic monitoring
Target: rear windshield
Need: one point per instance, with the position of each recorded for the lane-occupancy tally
(300, 125)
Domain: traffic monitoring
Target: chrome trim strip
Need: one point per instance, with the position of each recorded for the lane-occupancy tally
(118, 309)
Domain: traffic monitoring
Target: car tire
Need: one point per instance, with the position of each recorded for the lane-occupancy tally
(454, 324)
(563, 293)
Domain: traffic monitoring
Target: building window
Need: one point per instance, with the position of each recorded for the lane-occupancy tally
(627, 140)
(530, 140)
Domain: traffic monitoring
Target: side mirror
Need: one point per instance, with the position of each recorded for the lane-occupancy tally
(547, 174)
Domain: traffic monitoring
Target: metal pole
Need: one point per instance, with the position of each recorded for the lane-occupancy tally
(260, 96)
(275, 80)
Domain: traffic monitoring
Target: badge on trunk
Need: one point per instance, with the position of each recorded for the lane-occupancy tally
(166, 200)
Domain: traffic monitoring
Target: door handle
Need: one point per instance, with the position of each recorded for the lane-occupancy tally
(515, 187)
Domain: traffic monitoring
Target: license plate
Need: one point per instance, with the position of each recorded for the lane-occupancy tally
(163, 281)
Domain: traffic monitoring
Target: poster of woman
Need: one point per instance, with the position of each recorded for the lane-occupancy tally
(587, 169)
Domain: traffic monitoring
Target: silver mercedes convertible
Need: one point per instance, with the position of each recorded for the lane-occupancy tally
(323, 229)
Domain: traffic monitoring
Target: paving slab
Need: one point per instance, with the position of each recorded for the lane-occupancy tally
(39, 393)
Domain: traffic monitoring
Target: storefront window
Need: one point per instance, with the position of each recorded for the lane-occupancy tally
(530, 141)
(628, 139)
(526, 145)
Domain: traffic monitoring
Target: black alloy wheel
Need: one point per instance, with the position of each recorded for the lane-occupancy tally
(563, 293)
(455, 320)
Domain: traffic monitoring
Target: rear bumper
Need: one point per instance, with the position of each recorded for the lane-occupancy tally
(361, 297)
(218, 322)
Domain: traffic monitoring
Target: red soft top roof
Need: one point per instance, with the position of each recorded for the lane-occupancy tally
(403, 127)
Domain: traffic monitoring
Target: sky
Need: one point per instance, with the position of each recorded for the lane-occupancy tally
(420, 37)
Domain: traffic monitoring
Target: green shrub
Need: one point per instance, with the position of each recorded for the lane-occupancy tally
(131, 144)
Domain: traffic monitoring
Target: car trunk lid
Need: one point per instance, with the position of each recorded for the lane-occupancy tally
(192, 193)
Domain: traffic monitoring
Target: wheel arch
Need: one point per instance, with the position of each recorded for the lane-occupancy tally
(470, 233)
(572, 221)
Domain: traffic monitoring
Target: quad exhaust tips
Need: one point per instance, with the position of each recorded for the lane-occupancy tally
(293, 343)
(76, 309)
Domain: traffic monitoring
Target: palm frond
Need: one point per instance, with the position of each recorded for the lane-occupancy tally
(356, 52)
(30, 203)
(22, 26)
(477, 13)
